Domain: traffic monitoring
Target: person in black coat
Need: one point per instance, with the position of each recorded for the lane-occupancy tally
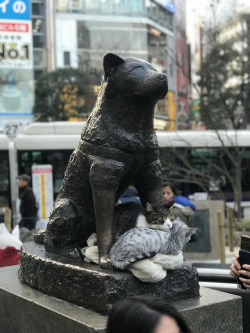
(28, 207)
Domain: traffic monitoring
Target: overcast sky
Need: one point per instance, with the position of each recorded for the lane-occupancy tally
(200, 9)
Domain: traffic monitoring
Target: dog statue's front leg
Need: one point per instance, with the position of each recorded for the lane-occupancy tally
(105, 178)
(104, 202)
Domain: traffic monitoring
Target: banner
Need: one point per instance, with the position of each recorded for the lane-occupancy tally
(42, 184)
(16, 61)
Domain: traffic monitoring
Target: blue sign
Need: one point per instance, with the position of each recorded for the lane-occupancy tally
(15, 9)
(167, 4)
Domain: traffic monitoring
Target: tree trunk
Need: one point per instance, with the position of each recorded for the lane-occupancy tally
(238, 189)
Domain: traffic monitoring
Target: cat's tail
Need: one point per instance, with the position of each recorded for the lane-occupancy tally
(123, 259)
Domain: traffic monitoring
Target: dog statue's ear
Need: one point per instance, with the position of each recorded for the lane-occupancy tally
(111, 60)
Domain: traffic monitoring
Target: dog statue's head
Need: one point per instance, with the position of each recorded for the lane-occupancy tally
(135, 77)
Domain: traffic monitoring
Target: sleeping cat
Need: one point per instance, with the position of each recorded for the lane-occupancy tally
(140, 243)
(133, 215)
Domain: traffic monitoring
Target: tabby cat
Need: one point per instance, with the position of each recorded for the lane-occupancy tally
(140, 243)
(133, 215)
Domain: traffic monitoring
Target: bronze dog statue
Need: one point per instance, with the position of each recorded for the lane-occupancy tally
(118, 147)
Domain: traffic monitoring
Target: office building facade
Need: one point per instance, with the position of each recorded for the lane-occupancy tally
(86, 30)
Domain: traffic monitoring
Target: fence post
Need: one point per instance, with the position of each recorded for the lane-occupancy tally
(230, 228)
(221, 237)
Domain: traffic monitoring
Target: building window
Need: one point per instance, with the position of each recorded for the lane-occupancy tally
(66, 57)
(39, 58)
(39, 41)
(38, 9)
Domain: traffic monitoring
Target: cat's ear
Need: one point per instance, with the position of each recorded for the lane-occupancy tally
(169, 204)
(149, 207)
(193, 230)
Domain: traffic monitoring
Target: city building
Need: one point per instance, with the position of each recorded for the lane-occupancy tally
(78, 33)
(86, 30)
(23, 56)
(40, 20)
(183, 68)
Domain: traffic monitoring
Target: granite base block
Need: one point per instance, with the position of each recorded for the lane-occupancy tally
(25, 310)
(89, 286)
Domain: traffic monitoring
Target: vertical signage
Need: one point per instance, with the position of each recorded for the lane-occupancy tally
(42, 184)
(182, 68)
(16, 61)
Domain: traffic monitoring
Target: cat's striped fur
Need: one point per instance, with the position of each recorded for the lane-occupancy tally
(141, 243)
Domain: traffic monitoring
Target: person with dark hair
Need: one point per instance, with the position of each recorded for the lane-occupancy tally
(145, 314)
(28, 207)
(183, 208)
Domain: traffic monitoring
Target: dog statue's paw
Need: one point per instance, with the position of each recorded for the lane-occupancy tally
(105, 263)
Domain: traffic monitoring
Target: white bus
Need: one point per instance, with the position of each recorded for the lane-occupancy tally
(52, 143)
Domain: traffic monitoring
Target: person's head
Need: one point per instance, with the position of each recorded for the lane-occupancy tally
(169, 191)
(23, 180)
(145, 314)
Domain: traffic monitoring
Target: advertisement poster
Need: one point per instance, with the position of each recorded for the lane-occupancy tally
(42, 185)
(16, 62)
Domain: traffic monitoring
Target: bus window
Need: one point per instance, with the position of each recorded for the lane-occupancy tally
(178, 164)
(58, 159)
(4, 180)
(203, 159)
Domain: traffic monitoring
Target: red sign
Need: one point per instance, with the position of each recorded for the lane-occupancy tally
(41, 170)
(14, 27)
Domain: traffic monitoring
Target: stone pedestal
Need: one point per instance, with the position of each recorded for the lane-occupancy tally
(89, 286)
(25, 310)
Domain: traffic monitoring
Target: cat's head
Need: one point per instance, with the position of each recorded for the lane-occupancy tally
(159, 215)
(182, 232)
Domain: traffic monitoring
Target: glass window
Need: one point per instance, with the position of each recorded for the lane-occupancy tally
(83, 36)
(160, 15)
(92, 5)
(39, 41)
(58, 159)
(39, 58)
(66, 56)
(38, 9)
(75, 3)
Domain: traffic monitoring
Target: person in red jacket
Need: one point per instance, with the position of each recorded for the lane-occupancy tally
(28, 207)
